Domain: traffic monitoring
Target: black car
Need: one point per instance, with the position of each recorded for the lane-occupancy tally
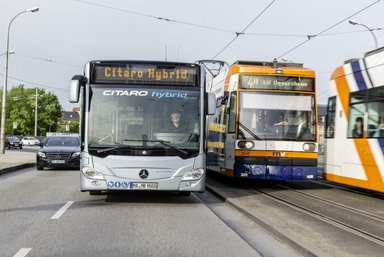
(59, 152)
(13, 142)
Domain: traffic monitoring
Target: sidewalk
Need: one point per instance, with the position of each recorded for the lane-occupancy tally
(16, 159)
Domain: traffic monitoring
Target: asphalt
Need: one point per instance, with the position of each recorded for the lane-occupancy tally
(16, 159)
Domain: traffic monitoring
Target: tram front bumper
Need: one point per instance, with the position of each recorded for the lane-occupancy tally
(272, 172)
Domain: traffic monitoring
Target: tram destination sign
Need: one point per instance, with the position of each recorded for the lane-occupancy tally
(144, 73)
(277, 83)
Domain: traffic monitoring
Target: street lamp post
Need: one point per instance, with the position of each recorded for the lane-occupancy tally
(368, 28)
(4, 103)
(36, 113)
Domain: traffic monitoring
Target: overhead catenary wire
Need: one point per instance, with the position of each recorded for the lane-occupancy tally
(236, 33)
(46, 59)
(34, 84)
(156, 17)
(242, 32)
(310, 37)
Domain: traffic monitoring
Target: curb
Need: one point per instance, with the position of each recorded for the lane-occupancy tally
(16, 167)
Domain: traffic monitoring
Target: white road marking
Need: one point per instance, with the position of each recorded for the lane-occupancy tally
(62, 210)
(22, 252)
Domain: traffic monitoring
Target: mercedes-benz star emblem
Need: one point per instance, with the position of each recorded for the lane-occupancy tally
(143, 174)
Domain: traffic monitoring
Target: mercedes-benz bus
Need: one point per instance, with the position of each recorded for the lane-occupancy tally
(127, 111)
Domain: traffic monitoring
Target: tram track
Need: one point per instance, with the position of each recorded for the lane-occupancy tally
(348, 189)
(314, 220)
(340, 205)
(371, 221)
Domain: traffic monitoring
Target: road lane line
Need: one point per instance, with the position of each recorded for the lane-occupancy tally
(22, 252)
(62, 210)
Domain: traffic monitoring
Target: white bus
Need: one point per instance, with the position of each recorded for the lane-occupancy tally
(142, 126)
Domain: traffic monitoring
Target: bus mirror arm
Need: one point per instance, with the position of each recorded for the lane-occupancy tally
(74, 88)
(211, 106)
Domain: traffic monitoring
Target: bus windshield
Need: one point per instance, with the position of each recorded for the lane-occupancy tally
(264, 116)
(135, 121)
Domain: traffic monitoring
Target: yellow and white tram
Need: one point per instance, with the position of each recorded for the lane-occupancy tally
(265, 122)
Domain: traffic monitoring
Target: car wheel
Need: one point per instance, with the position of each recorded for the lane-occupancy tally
(39, 167)
(21, 147)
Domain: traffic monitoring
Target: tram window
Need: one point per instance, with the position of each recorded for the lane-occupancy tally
(356, 114)
(330, 118)
(232, 113)
(376, 113)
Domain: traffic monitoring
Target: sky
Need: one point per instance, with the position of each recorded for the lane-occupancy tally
(52, 45)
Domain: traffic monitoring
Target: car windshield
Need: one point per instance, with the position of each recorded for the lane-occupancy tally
(62, 141)
(13, 139)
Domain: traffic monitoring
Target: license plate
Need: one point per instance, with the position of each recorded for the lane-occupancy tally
(143, 185)
(58, 161)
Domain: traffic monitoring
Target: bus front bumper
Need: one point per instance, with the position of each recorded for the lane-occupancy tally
(116, 183)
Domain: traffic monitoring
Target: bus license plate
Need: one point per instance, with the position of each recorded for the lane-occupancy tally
(143, 185)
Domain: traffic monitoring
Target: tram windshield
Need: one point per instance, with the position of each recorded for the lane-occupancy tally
(264, 116)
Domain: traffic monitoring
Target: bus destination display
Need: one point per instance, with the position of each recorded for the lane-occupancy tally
(144, 74)
(277, 83)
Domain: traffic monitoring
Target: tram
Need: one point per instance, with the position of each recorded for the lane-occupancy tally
(265, 126)
(354, 129)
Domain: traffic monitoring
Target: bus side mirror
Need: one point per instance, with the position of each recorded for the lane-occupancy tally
(211, 104)
(74, 88)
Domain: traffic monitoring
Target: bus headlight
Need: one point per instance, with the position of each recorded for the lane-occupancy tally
(246, 144)
(92, 173)
(309, 147)
(195, 174)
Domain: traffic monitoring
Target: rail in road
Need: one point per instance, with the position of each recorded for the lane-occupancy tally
(314, 219)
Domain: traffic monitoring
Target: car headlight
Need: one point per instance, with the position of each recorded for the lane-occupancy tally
(195, 174)
(75, 154)
(92, 173)
(41, 154)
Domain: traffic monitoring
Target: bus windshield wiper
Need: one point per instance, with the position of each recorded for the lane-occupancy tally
(248, 130)
(113, 148)
(166, 143)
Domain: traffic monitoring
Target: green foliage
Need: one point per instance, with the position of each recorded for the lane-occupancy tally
(21, 110)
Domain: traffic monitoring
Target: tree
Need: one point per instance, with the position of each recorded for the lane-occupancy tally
(21, 111)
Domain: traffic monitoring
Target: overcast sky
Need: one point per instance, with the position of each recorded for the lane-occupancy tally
(53, 44)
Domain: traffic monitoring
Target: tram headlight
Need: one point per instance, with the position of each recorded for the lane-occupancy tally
(309, 147)
(246, 144)
(92, 173)
(195, 174)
